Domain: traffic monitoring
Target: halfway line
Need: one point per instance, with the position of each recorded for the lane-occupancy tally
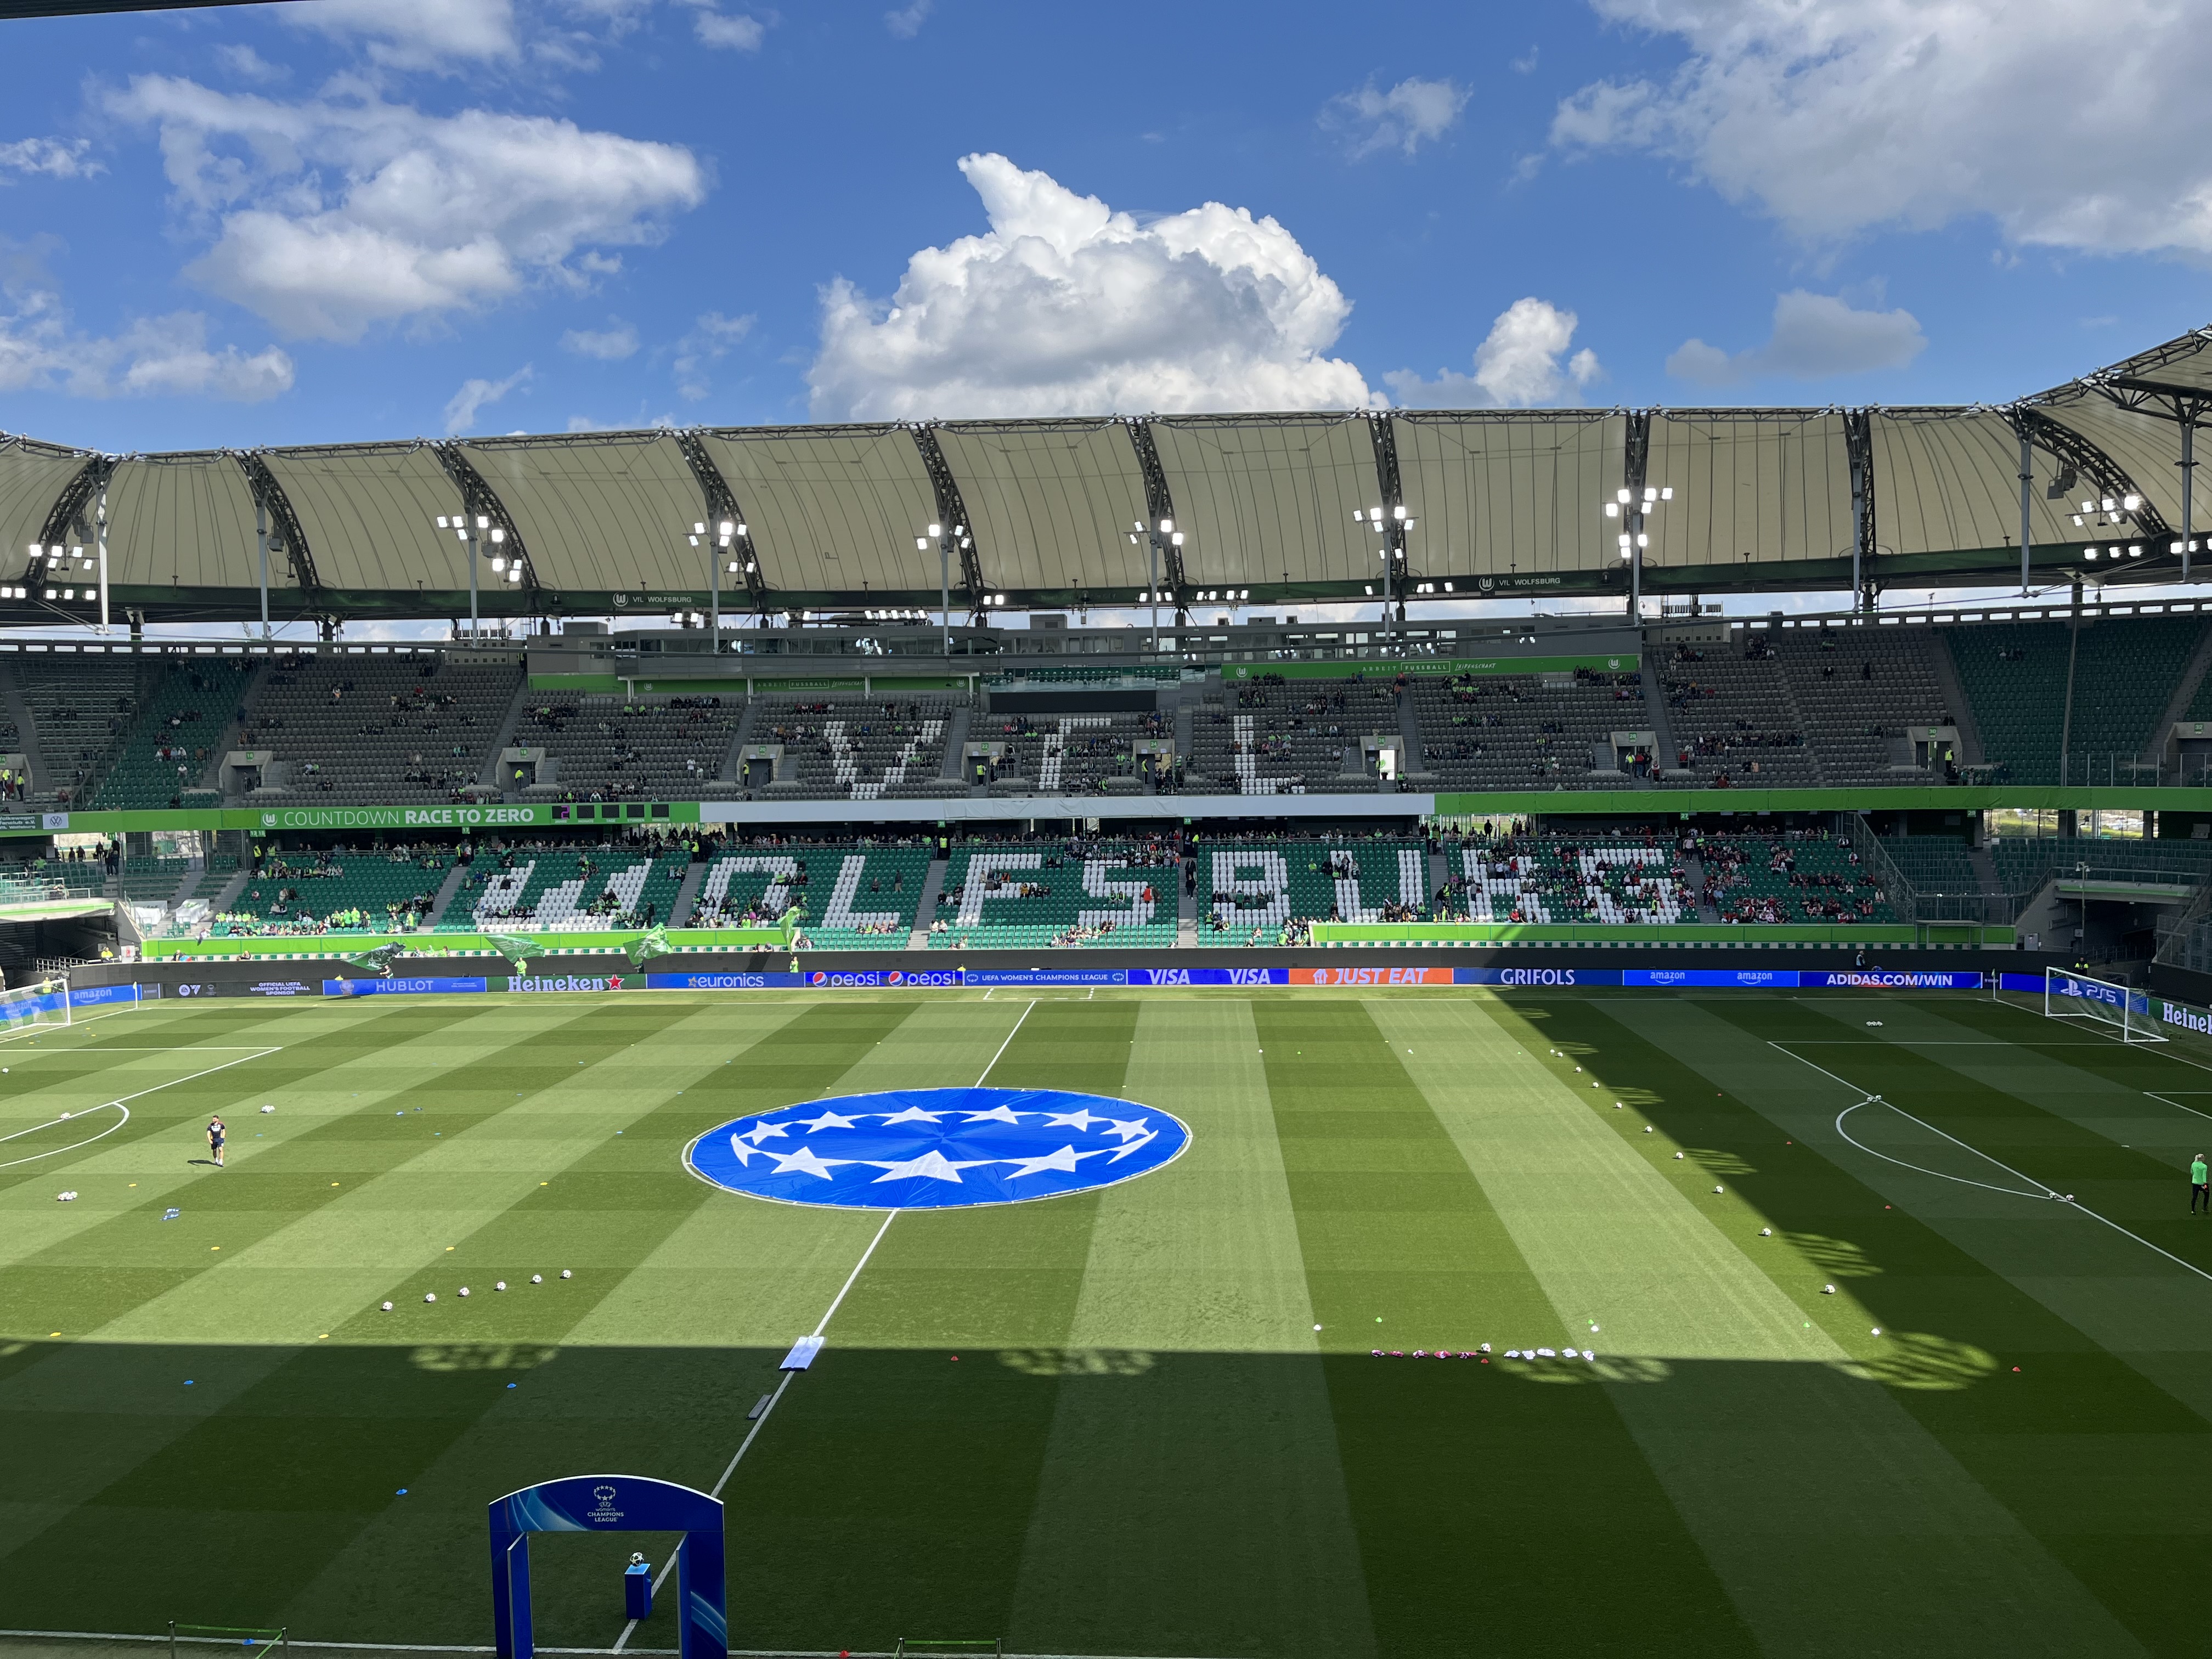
(835, 1302)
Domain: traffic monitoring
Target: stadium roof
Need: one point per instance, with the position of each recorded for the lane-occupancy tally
(1505, 502)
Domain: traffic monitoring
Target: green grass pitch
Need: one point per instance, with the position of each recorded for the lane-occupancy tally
(1144, 1420)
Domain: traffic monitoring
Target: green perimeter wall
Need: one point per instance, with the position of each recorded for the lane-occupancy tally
(334, 946)
(1504, 803)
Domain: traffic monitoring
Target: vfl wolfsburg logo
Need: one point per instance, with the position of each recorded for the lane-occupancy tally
(937, 1149)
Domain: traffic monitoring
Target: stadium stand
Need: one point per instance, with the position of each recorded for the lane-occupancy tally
(1070, 753)
(394, 729)
(2024, 863)
(637, 748)
(548, 886)
(1058, 895)
(1268, 737)
(865, 897)
(1855, 690)
(80, 707)
(1788, 878)
(169, 746)
(1556, 879)
(2122, 674)
(1264, 892)
(1933, 864)
(1732, 717)
(1523, 731)
(336, 890)
(855, 749)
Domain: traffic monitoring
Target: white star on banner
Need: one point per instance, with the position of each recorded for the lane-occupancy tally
(912, 1115)
(807, 1163)
(827, 1121)
(745, 1153)
(1064, 1160)
(931, 1163)
(761, 1132)
(1081, 1120)
(1129, 1130)
(996, 1115)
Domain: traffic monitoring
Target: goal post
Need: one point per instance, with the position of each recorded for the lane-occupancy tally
(2119, 1010)
(47, 1003)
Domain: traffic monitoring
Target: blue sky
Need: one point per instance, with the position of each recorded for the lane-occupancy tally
(351, 219)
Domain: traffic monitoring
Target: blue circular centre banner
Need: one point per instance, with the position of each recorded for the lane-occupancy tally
(937, 1149)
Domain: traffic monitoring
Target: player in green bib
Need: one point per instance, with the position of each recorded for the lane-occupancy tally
(2199, 1191)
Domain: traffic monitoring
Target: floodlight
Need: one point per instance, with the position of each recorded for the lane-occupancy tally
(1650, 493)
(936, 530)
(2135, 551)
(922, 543)
(1167, 526)
(1398, 512)
(2108, 503)
(698, 529)
(441, 524)
(1623, 497)
(1177, 539)
(483, 523)
(2078, 520)
(1643, 540)
(1624, 542)
(2130, 503)
(498, 564)
(498, 535)
(1668, 494)
(2089, 553)
(1612, 509)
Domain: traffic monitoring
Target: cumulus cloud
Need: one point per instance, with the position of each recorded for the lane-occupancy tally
(1410, 114)
(906, 22)
(1066, 306)
(446, 35)
(733, 33)
(2069, 126)
(153, 356)
(1815, 336)
(1522, 361)
(248, 65)
(609, 345)
(332, 215)
(56, 158)
(705, 344)
(477, 395)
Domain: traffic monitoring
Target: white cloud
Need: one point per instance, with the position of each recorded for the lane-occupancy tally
(1522, 361)
(2070, 125)
(475, 396)
(336, 214)
(609, 345)
(248, 65)
(153, 357)
(710, 338)
(738, 34)
(1066, 306)
(433, 34)
(906, 22)
(56, 158)
(1815, 336)
(1410, 114)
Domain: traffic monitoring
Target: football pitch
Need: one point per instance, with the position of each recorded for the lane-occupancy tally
(1859, 1382)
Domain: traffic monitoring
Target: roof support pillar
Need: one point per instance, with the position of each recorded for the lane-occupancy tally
(276, 529)
(722, 509)
(1395, 566)
(479, 500)
(1636, 465)
(1159, 508)
(952, 513)
(2026, 482)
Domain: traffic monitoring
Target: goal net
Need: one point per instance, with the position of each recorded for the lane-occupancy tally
(2121, 1012)
(47, 1003)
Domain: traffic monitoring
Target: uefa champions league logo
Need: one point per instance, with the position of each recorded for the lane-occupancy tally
(937, 1149)
(607, 1515)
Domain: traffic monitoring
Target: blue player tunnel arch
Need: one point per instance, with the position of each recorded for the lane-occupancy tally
(611, 1502)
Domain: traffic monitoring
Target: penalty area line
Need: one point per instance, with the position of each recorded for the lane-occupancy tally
(822, 1325)
(2049, 1192)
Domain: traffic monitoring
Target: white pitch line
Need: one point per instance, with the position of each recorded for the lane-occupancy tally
(118, 1104)
(2084, 1209)
(835, 1302)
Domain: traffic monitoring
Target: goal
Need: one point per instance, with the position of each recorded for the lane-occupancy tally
(2122, 1013)
(238, 1636)
(47, 1003)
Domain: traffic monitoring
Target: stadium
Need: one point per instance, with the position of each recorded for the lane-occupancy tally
(1700, 1011)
